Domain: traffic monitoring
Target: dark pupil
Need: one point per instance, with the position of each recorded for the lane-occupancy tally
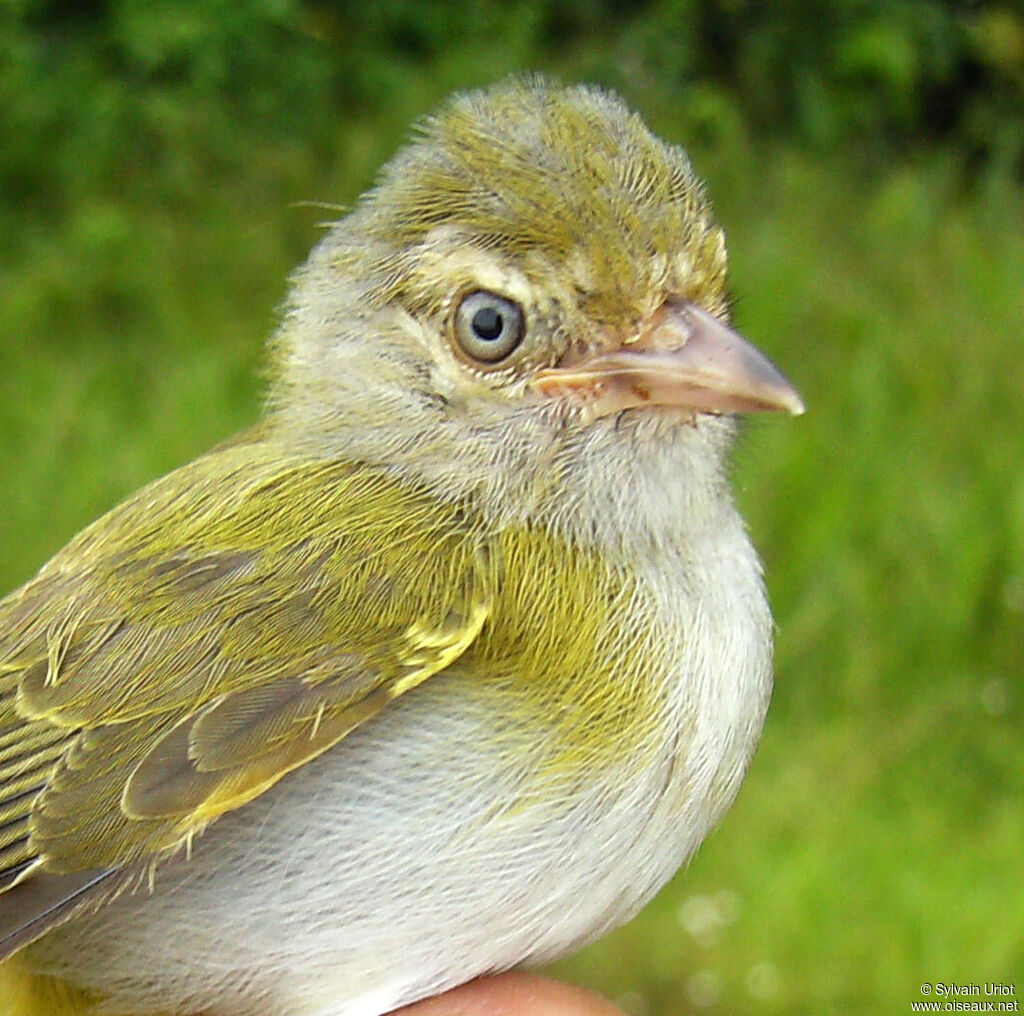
(488, 324)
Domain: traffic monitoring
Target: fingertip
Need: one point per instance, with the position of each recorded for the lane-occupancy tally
(514, 994)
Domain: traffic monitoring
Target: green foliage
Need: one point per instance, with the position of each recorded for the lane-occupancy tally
(97, 94)
(882, 77)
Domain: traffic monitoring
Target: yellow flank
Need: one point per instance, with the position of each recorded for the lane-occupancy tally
(571, 644)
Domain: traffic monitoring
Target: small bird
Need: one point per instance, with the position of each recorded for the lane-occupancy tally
(454, 658)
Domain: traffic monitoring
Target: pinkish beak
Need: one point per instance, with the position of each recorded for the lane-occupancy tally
(683, 358)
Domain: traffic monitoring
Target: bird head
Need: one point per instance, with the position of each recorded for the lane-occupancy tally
(534, 280)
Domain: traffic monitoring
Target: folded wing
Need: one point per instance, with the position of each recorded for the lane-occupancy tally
(224, 626)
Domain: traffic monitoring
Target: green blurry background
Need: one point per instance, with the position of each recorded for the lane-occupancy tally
(162, 168)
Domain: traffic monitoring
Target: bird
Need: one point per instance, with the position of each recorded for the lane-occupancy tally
(448, 663)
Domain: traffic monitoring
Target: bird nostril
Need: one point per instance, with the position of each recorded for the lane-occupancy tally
(665, 330)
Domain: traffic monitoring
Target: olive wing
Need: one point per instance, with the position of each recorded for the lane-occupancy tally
(222, 627)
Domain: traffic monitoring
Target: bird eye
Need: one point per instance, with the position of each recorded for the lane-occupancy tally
(487, 326)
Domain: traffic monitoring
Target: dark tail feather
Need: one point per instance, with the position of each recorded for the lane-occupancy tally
(42, 901)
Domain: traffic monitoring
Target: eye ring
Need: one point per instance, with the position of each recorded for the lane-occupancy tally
(488, 327)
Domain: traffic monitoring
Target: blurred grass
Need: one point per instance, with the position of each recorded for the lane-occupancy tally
(877, 842)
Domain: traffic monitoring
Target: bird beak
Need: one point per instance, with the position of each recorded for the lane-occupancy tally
(681, 357)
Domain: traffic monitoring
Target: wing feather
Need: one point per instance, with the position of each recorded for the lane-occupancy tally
(224, 626)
